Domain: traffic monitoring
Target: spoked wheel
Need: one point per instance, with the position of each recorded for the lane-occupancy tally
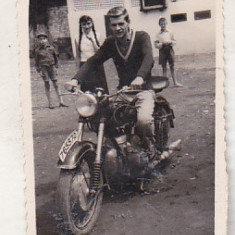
(79, 208)
(162, 128)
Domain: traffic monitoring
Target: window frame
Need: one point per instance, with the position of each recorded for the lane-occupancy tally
(204, 18)
(179, 21)
(143, 6)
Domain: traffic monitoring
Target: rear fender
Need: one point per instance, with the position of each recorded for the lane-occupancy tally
(161, 101)
(75, 154)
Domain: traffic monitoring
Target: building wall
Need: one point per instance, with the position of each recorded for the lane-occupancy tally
(193, 36)
(58, 22)
(57, 28)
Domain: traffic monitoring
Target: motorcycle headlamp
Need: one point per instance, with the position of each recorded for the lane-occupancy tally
(86, 105)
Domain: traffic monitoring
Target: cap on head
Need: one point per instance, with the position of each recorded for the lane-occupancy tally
(161, 19)
(42, 34)
(118, 11)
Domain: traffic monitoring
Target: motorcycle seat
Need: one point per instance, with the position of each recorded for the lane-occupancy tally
(158, 83)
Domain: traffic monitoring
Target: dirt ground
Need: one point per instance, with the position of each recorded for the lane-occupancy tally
(182, 202)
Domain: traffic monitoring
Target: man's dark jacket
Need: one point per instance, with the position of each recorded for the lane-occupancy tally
(137, 62)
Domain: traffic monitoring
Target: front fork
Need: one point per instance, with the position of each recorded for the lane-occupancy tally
(80, 130)
(95, 180)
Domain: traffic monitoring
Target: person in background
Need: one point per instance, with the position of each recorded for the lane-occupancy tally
(165, 42)
(88, 45)
(46, 62)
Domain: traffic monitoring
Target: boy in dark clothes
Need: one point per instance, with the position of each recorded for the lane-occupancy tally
(46, 63)
(165, 42)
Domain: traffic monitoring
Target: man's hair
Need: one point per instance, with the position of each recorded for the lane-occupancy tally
(161, 19)
(118, 11)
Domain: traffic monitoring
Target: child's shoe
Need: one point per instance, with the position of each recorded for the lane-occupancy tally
(63, 105)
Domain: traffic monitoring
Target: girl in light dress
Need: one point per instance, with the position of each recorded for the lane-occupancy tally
(88, 44)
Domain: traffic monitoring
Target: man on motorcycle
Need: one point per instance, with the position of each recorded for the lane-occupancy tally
(132, 55)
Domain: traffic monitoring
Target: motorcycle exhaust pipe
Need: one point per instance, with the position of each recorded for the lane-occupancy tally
(173, 147)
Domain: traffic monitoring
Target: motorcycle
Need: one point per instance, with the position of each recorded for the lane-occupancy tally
(117, 156)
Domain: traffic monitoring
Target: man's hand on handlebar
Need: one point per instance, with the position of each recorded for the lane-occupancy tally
(137, 83)
(71, 85)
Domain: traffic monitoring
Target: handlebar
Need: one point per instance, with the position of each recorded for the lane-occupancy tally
(75, 91)
(99, 91)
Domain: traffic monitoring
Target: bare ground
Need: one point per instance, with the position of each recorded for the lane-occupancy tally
(182, 202)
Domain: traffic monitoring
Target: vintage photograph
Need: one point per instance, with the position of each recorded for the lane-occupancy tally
(123, 116)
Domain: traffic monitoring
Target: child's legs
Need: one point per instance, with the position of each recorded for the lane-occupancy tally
(52, 74)
(172, 69)
(164, 70)
(164, 65)
(47, 90)
(55, 84)
(171, 60)
(163, 61)
(45, 77)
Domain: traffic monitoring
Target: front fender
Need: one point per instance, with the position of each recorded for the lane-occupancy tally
(74, 155)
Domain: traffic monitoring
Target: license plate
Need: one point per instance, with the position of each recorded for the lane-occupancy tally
(69, 142)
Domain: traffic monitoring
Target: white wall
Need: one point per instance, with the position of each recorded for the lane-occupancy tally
(192, 36)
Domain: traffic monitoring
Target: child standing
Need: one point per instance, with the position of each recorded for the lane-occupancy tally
(165, 42)
(88, 45)
(46, 63)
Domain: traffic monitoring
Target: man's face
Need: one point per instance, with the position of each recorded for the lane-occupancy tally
(119, 26)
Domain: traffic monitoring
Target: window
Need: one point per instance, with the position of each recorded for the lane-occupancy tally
(82, 5)
(135, 3)
(178, 17)
(147, 5)
(202, 15)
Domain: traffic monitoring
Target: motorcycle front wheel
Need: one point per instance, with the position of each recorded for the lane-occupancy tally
(78, 207)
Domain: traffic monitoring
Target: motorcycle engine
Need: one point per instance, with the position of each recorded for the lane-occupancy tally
(123, 114)
(128, 153)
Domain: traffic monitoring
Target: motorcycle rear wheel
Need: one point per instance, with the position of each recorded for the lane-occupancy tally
(79, 209)
(162, 128)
